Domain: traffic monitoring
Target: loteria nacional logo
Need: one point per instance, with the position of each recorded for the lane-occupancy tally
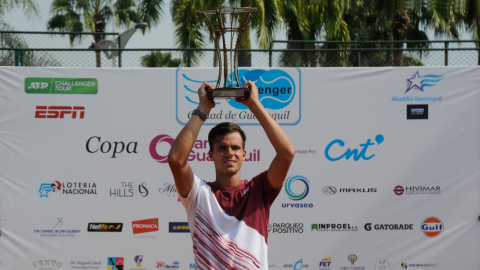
(104, 227)
(160, 145)
(432, 226)
(69, 188)
(279, 91)
(75, 86)
(145, 225)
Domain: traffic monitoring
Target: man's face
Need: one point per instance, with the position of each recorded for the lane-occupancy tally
(228, 154)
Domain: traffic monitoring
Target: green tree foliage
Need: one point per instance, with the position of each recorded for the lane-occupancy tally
(158, 59)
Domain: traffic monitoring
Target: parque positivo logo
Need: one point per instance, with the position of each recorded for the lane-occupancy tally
(279, 91)
(78, 86)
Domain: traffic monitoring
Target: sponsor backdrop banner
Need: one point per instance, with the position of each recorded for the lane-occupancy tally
(386, 174)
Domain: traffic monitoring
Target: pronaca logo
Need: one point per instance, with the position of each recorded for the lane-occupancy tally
(105, 227)
(145, 225)
(60, 112)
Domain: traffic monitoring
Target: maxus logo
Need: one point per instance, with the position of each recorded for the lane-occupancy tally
(279, 92)
(160, 145)
(297, 265)
(59, 111)
(334, 153)
(300, 194)
(61, 86)
(432, 226)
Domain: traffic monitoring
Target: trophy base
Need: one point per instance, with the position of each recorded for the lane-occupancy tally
(228, 92)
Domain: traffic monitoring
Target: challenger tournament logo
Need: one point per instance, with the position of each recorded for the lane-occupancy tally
(432, 226)
(279, 92)
(144, 226)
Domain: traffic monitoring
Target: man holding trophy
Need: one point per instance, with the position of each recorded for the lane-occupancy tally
(228, 218)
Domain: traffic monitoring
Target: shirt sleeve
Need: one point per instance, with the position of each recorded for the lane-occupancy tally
(190, 202)
(269, 193)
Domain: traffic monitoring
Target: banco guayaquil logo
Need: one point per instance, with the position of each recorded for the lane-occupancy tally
(279, 92)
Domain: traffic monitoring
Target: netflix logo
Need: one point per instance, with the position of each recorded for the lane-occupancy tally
(59, 111)
(145, 225)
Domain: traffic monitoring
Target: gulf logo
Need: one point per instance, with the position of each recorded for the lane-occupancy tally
(432, 226)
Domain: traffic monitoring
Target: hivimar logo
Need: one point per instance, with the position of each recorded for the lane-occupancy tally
(279, 92)
(79, 86)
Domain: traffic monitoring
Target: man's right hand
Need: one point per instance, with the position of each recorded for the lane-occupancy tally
(206, 104)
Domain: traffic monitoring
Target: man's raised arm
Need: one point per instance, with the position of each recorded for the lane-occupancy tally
(283, 147)
(178, 155)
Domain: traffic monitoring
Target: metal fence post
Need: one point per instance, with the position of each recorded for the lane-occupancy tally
(16, 58)
(120, 51)
(359, 58)
(189, 58)
(446, 53)
(22, 58)
(270, 47)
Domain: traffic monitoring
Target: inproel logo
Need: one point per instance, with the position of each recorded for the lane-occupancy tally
(145, 225)
(59, 111)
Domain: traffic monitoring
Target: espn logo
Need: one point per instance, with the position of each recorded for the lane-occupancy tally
(59, 111)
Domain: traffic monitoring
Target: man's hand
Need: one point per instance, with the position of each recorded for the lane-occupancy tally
(253, 99)
(206, 104)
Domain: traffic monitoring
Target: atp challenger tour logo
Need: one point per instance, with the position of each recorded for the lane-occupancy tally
(279, 91)
(78, 86)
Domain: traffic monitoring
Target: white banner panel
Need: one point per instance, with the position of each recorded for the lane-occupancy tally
(386, 174)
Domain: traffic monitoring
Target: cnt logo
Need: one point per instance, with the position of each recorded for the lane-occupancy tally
(59, 111)
(432, 226)
(279, 91)
(334, 153)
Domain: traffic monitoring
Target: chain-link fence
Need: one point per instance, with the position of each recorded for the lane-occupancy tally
(57, 50)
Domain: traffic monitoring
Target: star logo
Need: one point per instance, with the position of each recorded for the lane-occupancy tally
(418, 82)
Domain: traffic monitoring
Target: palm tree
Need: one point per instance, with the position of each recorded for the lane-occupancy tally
(30, 7)
(157, 59)
(190, 29)
(93, 16)
(471, 19)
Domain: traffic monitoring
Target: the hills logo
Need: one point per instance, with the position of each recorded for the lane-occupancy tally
(145, 225)
(279, 92)
(104, 227)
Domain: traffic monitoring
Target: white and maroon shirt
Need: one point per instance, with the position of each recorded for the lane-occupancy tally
(229, 226)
